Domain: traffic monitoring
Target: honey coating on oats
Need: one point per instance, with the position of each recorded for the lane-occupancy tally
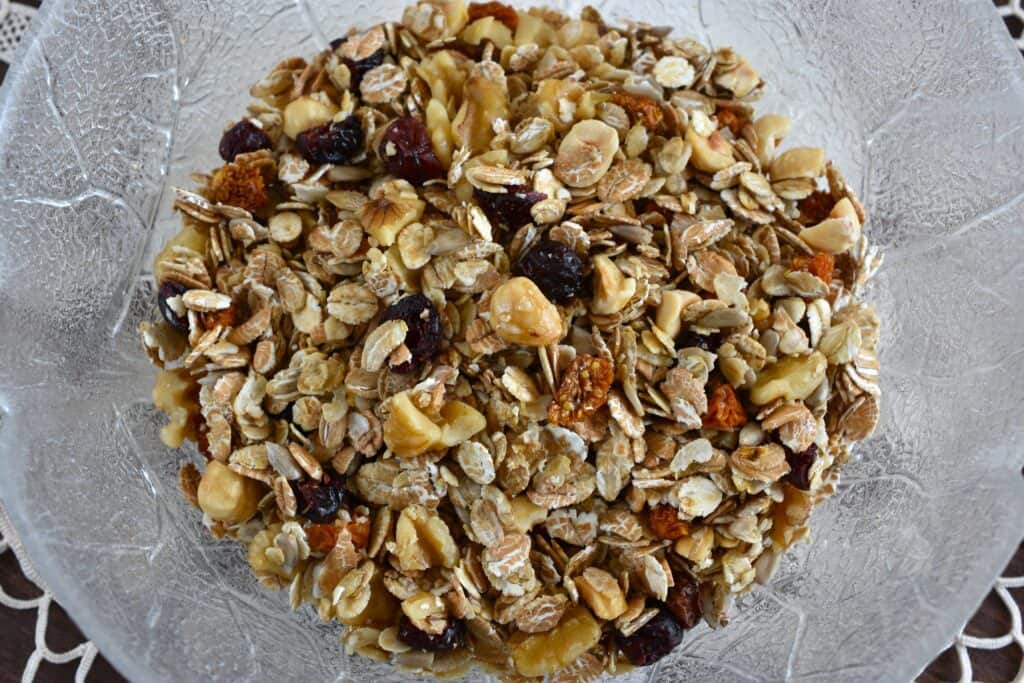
(514, 340)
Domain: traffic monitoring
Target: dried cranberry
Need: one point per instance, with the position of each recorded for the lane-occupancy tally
(423, 337)
(407, 152)
(169, 290)
(555, 269)
(800, 466)
(332, 143)
(508, 209)
(319, 501)
(654, 640)
(242, 138)
(684, 599)
(359, 68)
(452, 638)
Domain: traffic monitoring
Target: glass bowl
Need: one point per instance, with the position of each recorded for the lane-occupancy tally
(921, 104)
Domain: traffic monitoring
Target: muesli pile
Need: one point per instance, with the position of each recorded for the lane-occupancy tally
(513, 340)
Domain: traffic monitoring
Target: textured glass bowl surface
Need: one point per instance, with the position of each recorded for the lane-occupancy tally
(921, 103)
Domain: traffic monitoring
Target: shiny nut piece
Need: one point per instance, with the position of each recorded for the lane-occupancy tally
(601, 592)
(305, 113)
(801, 162)
(407, 431)
(612, 289)
(838, 232)
(586, 153)
(422, 540)
(226, 496)
(527, 514)
(543, 653)
(793, 378)
(460, 421)
(741, 79)
(710, 154)
(521, 314)
(770, 130)
(385, 216)
(669, 317)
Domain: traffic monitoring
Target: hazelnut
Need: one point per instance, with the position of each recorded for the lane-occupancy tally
(521, 314)
(710, 154)
(226, 496)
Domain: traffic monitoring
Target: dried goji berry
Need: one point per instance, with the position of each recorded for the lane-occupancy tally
(239, 185)
(360, 530)
(665, 522)
(498, 10)
(641, 109)
(583, 390)
(815, 207)
(322, 537)
(820, 265)
(724, 409)
(728, 118)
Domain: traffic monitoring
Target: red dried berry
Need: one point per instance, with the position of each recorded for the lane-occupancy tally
(423, 337)
(319, 501)
(655, 639)
(555, 269)
(509, 209)
(800, 467)
(171, 290)
(242, 138)
(452, 638)
(684, 599)
(407, 152)
(332, 143)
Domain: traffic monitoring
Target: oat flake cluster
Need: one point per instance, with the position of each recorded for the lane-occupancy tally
(514, 340)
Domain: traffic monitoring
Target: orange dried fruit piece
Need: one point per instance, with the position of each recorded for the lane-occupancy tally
(499, 10)
(239, 185)
(665, 522)
(583, 390)
(724, 409)
(820, 265)
(641, 109)
(322, 537)
(815, 207)
(360, 530)
(727, 119)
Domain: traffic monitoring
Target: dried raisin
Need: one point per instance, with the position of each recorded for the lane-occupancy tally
(684, 599)
(555, 269)
(423, 337)
(170, 290)
(509, 209)
(800, 466)
(653, 641)
(242, 138)
(452, 638)
(332, 143)
(319, 501)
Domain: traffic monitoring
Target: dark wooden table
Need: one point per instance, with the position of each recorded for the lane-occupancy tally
(17, 628)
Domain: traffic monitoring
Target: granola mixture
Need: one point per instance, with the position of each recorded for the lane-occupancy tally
(513, 339)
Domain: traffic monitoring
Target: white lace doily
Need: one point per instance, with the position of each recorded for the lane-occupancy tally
(14, 22)
(84, 652)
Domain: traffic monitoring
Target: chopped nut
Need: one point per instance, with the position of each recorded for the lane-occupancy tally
(612, 289)
(584, 389)
(541, 654)
(226, 496)
(601, 592)
(521, 314)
